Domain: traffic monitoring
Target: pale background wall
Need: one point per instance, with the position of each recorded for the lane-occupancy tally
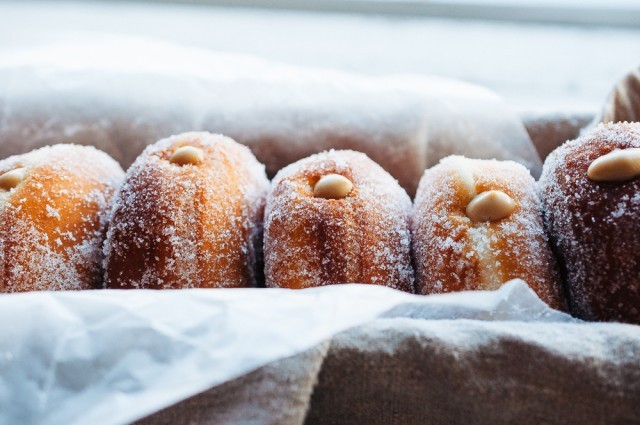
(534, 66)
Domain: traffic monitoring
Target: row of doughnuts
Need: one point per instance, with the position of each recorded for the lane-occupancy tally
(191, 212)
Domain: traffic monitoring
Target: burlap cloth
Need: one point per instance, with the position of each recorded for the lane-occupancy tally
(412, 371)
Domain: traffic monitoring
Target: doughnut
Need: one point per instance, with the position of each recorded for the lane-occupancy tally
(590, 189)
(189, 215)
(477, 224)
(337, 217)
(54, 205)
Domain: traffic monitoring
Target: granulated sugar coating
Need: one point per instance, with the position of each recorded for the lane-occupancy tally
(595, 226)
(361, 238)
(453, 253)
(52, 224)
(182, 225)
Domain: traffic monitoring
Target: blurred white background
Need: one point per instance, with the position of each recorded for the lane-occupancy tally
(545, 55)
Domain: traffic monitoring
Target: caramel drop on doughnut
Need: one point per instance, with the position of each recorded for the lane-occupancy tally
(187, 155)
(332, 186)
(617, 166)
(12, 178)
(491, 205)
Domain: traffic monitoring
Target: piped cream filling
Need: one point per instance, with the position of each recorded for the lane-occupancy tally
(479, 234)
(488, 264)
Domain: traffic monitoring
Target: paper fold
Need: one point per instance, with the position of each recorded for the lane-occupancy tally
(112, 357)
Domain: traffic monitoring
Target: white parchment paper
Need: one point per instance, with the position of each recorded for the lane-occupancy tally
(111, 357)
(122, 93)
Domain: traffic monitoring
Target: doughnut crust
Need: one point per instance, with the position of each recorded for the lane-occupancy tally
(595, 226)
(53, 218)
(189, 215)
(454, 253)
(362, 237)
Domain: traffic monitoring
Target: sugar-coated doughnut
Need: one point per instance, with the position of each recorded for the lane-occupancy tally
(591, 193)
(54, 204)
(337, 217)
(477, 224)
(188, 215)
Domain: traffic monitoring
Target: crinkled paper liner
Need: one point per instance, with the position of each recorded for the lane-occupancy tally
(112, 357)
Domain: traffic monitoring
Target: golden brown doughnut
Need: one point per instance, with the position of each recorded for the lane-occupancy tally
(337, 217)
(189, 215)
(591, 193)
(477, 224)
(54, 203)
